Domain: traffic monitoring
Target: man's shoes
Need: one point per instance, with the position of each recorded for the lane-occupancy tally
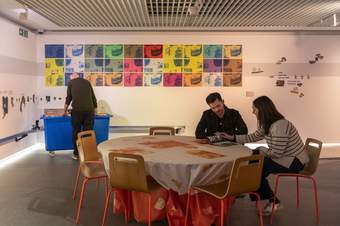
(267, 210)
(75, 157)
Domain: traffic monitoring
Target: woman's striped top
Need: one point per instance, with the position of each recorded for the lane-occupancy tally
(283, 140)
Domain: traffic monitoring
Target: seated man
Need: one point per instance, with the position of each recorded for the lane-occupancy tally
(219, 120)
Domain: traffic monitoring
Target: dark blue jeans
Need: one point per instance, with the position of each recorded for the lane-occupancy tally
(271, 167)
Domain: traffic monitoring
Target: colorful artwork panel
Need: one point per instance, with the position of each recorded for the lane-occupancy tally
(212, 51)
(133, 51)
(113, 65)
(153, 51)
(173, 51)
(133, 65)
(232, 65)
(192, 79)
(232, 51)
(153, 65)
(191, 51)
(94, 65)
(212, 79)
(54, 51)
(96, 79)
(232, 79)
(74, 65)
(172, 65)
(94, 51)
(212, 65)
(133, 79)
(113, 79)
(153, 79)
(114, 51)
(173, 80)
(74, 51)
(192, 65)
(54, 80)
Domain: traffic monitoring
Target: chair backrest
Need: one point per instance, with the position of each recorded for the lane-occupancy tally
(162, 130)
(87, 146)
(314, 155)
(245, 175)
(127, 172)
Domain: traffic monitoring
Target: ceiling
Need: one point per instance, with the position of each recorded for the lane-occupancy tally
(175, 15)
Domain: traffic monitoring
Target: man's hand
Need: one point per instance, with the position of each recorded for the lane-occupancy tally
(65, 113)
(226, 136)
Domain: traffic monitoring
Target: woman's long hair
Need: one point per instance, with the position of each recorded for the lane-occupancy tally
(267, 112)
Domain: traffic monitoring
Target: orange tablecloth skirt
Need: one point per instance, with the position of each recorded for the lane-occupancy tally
(204, 209)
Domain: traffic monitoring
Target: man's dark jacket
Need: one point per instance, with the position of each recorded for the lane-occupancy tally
(232, 123)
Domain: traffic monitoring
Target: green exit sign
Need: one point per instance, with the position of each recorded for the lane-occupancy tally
(23, 32)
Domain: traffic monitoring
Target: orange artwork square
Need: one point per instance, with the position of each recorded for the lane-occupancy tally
(205, 154)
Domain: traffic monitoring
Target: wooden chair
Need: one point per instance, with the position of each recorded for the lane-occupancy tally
(90, 164)
(162, 130)
(307, 173)
(127, 172)
(245, 177)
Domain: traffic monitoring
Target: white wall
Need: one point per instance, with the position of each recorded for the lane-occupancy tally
(17, 78)
(315, 114)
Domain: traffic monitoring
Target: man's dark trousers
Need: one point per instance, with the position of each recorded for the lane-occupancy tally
(81, 121)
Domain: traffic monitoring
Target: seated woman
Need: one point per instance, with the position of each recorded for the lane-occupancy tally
(286, 153)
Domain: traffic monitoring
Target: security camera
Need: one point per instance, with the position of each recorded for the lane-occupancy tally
(40, 31)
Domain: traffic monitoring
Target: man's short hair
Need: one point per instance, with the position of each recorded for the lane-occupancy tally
(212, 97)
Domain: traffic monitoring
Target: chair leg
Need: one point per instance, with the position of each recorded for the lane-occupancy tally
(317, 213)
(106, 207)
(106, 186)
(275, 194)
(97, 185)
(297, 192)
(81, 199)
(76, 185)
(222, 211)
(127, 208)
(259, 207)
(149, 224)
(187, 209)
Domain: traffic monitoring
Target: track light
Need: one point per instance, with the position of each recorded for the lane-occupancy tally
(24, 14)
(195, 9)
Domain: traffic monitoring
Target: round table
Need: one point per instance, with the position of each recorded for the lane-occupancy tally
(178, 162)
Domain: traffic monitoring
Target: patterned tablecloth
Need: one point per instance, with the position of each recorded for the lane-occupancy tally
(178, 162)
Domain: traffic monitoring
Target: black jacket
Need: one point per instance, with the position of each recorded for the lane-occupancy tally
(232, 123)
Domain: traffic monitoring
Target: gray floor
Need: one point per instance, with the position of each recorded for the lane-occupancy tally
(36, 191)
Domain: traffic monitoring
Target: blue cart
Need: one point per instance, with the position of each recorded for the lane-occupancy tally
(58, 131)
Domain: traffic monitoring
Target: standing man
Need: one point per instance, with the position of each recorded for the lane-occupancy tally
(84, 104)
(219, 120)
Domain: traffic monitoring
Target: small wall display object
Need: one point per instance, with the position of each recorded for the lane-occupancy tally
(256, 70)
(282, 60)
(27, 99)
(4, 106)
(22, 103)
(12, 102)
(48, 98)
(317, 57)
(280, 82)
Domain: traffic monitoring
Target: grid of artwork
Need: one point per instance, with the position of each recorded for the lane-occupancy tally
(145, 65)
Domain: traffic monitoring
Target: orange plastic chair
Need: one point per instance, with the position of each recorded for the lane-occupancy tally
(307, 173)
(162, 130)
(245, 177)
(127, 172)
(90, 164)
